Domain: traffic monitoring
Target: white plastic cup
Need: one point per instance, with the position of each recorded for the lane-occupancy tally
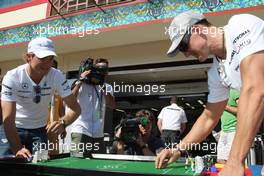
(199, 164)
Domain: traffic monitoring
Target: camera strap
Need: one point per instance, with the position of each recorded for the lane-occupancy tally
(100, 99)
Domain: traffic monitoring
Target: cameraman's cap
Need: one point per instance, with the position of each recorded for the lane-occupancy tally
(179, 26)
(41, 47)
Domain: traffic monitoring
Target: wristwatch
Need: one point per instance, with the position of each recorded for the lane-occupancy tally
(61, 121)
(144, 146)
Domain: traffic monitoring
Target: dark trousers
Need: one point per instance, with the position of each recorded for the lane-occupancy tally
(32, 139)
(86, 145)
(170, 137)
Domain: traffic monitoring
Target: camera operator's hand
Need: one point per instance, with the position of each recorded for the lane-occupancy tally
(79, 82)
(85, 74)
(118, 133)
(142, 130)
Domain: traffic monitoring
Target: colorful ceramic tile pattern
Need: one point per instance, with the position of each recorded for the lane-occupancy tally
(8, 3)
(118, 16)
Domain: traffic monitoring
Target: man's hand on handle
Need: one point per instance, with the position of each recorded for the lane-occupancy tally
(55, 128)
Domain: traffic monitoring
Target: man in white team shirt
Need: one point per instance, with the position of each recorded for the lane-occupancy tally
(172, 122)
(239, 48)
(26, 93)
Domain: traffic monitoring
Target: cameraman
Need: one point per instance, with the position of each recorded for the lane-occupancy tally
(87, 131)
(146, 143)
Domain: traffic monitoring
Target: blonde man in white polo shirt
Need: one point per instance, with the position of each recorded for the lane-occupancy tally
(172, 122)
(26, 93)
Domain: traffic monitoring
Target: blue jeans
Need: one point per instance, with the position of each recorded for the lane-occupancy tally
(4, 145)
(32, 139)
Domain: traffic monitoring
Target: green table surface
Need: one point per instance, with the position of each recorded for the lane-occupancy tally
(118, 166)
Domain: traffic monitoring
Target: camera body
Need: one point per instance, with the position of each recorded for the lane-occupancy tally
(97, 75)
(130, 129)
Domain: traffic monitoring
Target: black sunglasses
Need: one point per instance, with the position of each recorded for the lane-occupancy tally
(184, 44)
(37, 97)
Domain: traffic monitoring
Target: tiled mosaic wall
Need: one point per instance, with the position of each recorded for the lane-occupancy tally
(140, 12)
(8, 3)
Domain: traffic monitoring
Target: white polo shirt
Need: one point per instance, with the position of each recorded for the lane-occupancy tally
(93, 106)
(172, 117)
(244, 35)
(17, 87)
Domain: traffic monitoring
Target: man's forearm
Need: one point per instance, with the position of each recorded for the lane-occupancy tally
(204, 125)
(250, 114)
(160, 125)
(70, 117)
(198, 134)
(12, 136)
(76, 88)
(74, 109)
(1, 118)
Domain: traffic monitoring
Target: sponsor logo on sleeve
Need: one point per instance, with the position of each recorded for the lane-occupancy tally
(7, 93)
(238, 48)
(242, 45)
(241, 35)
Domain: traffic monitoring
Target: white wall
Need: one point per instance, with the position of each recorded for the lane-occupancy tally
(153, 52)
(25, 15)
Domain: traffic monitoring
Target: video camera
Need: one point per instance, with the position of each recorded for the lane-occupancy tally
(130, 130)
(98, 72)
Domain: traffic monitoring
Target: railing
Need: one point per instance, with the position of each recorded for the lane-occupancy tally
(61, 7)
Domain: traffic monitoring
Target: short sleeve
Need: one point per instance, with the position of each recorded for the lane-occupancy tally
(248, 37)
(161, 114)
(236, 93)
(234, 96)
(217, 91)
(61, 84)
(8, 89)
